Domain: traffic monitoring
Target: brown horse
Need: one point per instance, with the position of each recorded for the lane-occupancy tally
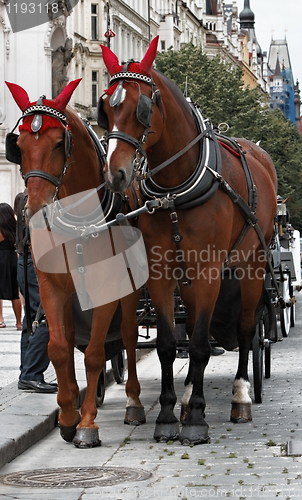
(204, 227)
(58, 159)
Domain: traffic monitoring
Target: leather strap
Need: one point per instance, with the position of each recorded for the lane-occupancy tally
(44, 175)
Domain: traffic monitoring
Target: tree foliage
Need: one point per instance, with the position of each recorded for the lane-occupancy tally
(220, 92)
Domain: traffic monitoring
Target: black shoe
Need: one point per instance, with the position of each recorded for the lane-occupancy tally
(37, 386)
(216, 351)
(182, 354)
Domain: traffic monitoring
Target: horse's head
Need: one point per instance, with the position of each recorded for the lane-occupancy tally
(43, 146)
(131, 111)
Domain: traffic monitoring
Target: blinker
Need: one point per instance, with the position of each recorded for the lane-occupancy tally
(12, 150)
(144, 110)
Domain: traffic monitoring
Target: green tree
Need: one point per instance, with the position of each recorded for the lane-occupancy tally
(222, 96)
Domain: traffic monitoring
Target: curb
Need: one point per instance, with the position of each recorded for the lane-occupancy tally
(28, 417)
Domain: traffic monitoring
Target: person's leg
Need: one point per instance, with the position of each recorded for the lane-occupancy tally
(34, 358)
(16, 303)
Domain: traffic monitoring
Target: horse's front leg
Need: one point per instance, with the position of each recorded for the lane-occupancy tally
(161, 293)
(135, 413)
(87, 431)
(61, 353)
(194, 427)
(251, 292)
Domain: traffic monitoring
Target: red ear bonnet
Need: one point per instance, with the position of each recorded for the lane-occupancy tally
(144, 67)
(19, 95)
(110, 60)
(59, 103)
(63, 98)
(148, 59)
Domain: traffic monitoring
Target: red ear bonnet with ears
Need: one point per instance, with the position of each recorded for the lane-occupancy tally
(63, 98)
(113, 66)
(148, 59)
(20, 95)
(59, 103)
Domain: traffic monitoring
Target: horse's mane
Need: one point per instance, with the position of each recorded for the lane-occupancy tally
(179, 97)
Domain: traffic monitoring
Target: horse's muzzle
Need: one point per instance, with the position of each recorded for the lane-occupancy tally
(118, 182)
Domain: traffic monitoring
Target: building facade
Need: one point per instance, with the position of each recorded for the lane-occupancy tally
(284, 93)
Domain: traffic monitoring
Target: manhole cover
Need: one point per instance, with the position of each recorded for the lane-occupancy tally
(74, 477)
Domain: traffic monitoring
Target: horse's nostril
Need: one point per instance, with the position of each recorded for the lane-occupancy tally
(121, 175)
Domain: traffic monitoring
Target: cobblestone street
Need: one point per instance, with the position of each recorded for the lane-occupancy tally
(251, 460)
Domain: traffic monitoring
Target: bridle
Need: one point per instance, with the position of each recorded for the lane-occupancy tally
(144, 109)
(13, 152)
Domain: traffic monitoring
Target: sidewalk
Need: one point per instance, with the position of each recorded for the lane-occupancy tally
(242, 461)
(26, 418)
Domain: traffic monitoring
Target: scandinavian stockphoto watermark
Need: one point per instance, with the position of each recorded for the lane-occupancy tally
(209, 264)
(105, 265)
(25, 14)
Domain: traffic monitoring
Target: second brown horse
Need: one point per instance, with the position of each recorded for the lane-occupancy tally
(206, 194)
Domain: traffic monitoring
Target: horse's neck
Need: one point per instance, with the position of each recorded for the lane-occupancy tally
(178, 131)
(85, 169)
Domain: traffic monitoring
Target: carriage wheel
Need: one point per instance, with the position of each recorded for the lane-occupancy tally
(285, 313)
(100, 390)
(258, 361)
(118, 366)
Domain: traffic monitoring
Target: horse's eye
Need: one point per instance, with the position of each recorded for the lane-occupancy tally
(59, 145)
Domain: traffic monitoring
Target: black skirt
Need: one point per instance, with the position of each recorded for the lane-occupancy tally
(8, 271)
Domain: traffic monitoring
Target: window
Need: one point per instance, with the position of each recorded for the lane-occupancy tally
(94, 21)
(163, 45)
(94, 88)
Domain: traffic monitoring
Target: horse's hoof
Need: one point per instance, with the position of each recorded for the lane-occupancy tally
(194, 434)
(166, 432)
(68, 432)
(135, 415)
(87, 437)
(241, 412)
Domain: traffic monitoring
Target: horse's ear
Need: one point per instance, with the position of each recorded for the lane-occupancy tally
(148, 59)
(63, 98)
(110, 60)
(19, 95)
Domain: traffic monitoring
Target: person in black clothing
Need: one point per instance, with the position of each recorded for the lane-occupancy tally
(8, 263)
(34, 357)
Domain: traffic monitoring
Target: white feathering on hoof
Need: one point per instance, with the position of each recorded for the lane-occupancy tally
(187, 394)
(241, 391)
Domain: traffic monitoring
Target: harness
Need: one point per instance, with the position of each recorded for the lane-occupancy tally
(201, 185)
(144, 109)
(63, 221)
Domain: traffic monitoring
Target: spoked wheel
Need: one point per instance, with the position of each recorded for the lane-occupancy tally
(285, 313)
(100, 391)
(258, 347)
(118, 366)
